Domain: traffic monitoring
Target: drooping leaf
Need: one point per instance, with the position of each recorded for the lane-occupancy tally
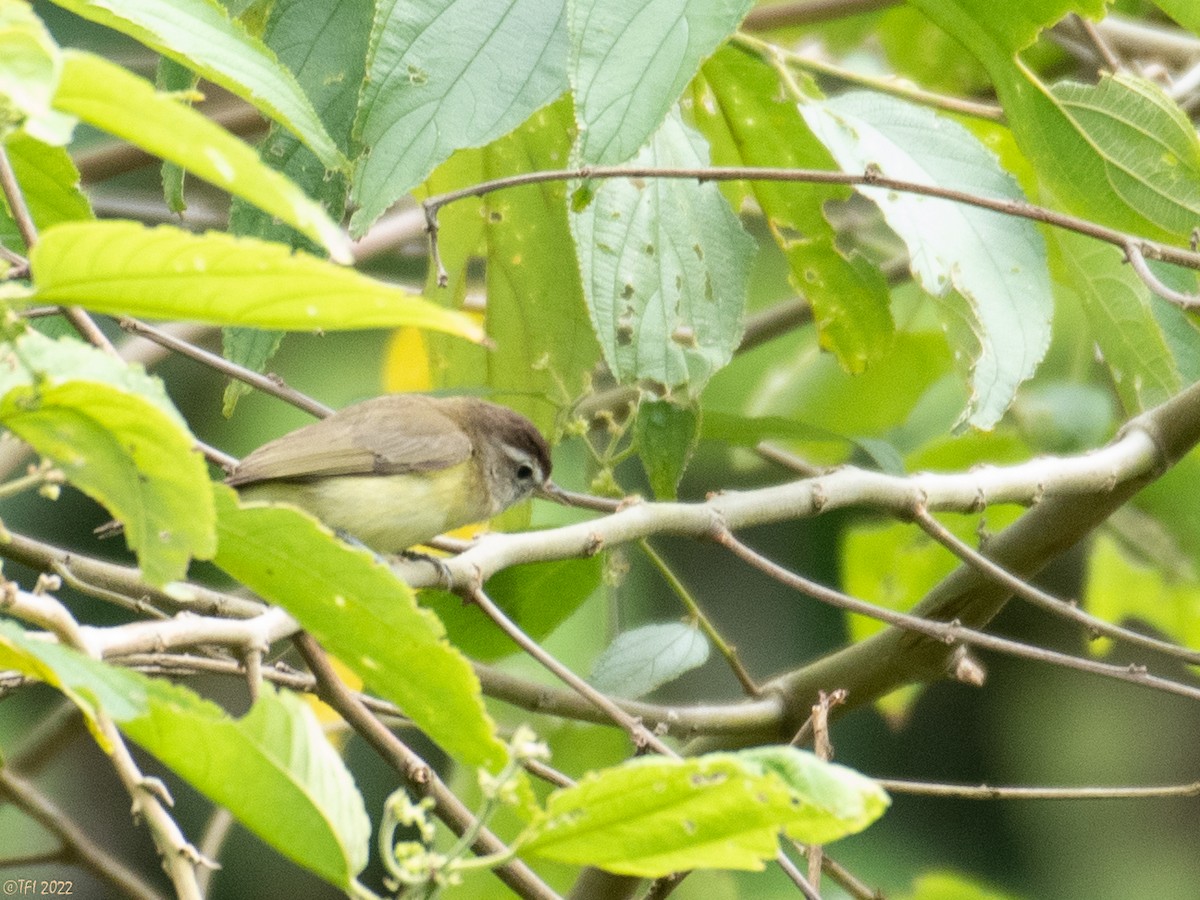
(114, 100)
(49, 183)
(124, 268)
(643, 659)
(995, 263)
(361, 613)
(200, 35)
(447, 75)
(115, 435)
(629, 62)
(665, 264)
(652, 815)
(666, 434)
(273, 769)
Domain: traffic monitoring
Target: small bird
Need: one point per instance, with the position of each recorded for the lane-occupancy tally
(397, 470)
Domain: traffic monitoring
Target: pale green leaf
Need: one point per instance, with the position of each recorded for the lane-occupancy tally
(446, 75)
(49, 183)
(274, 769)
(200, 35)
(30, 64)
(124, 268)
(629, 62)
(361, 613)
(643, 659)
(665, 266)
(653, 815)
(1185, 12)
(996, 263)
(115, 435)
(114, 100)
(951, 886)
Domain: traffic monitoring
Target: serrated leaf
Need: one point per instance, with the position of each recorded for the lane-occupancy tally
(447, 75)
(200, 35)
(124, 268)
(996, 263)
(742, 98)
(115, 435)
(351, 602)
(115, 100)
(652, 815)
(665, 265)
(1110, 182)
(665, 434)
(1149, 149)
(643, 659)
(833, 800)
(629, 62)
(273, 768)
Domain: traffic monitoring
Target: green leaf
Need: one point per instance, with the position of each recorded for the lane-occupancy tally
(115, 435)
(1107, 153)
(652, 815)
(741, 97)
(666, 434)
(49, 181)
(665, 265)
(273, 769)
(1185, 12)
(30, 64)
(535, 311)
(996, 263)
(200, 35)
(1149, 149)
(361, 613)
(833, 801)
(1118, 307)
(330, 72)
(446, 75)
(642, 659)
(630, 60)
(124, 268)
(114, 100)
(171, 77)
(537, 596)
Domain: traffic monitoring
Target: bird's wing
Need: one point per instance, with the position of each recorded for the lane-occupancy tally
(387, 435)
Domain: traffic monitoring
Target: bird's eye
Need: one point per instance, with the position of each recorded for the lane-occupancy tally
(524, 471)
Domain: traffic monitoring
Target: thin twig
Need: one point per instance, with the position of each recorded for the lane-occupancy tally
(642, 737)
(78, 845)
(1097, 40)
(891, 86)
(723, 647)
(419, 776)
(950, 633)
(1137, 261)
(868, 179)
(989, 792)
(1041, 599)
(266, 383)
